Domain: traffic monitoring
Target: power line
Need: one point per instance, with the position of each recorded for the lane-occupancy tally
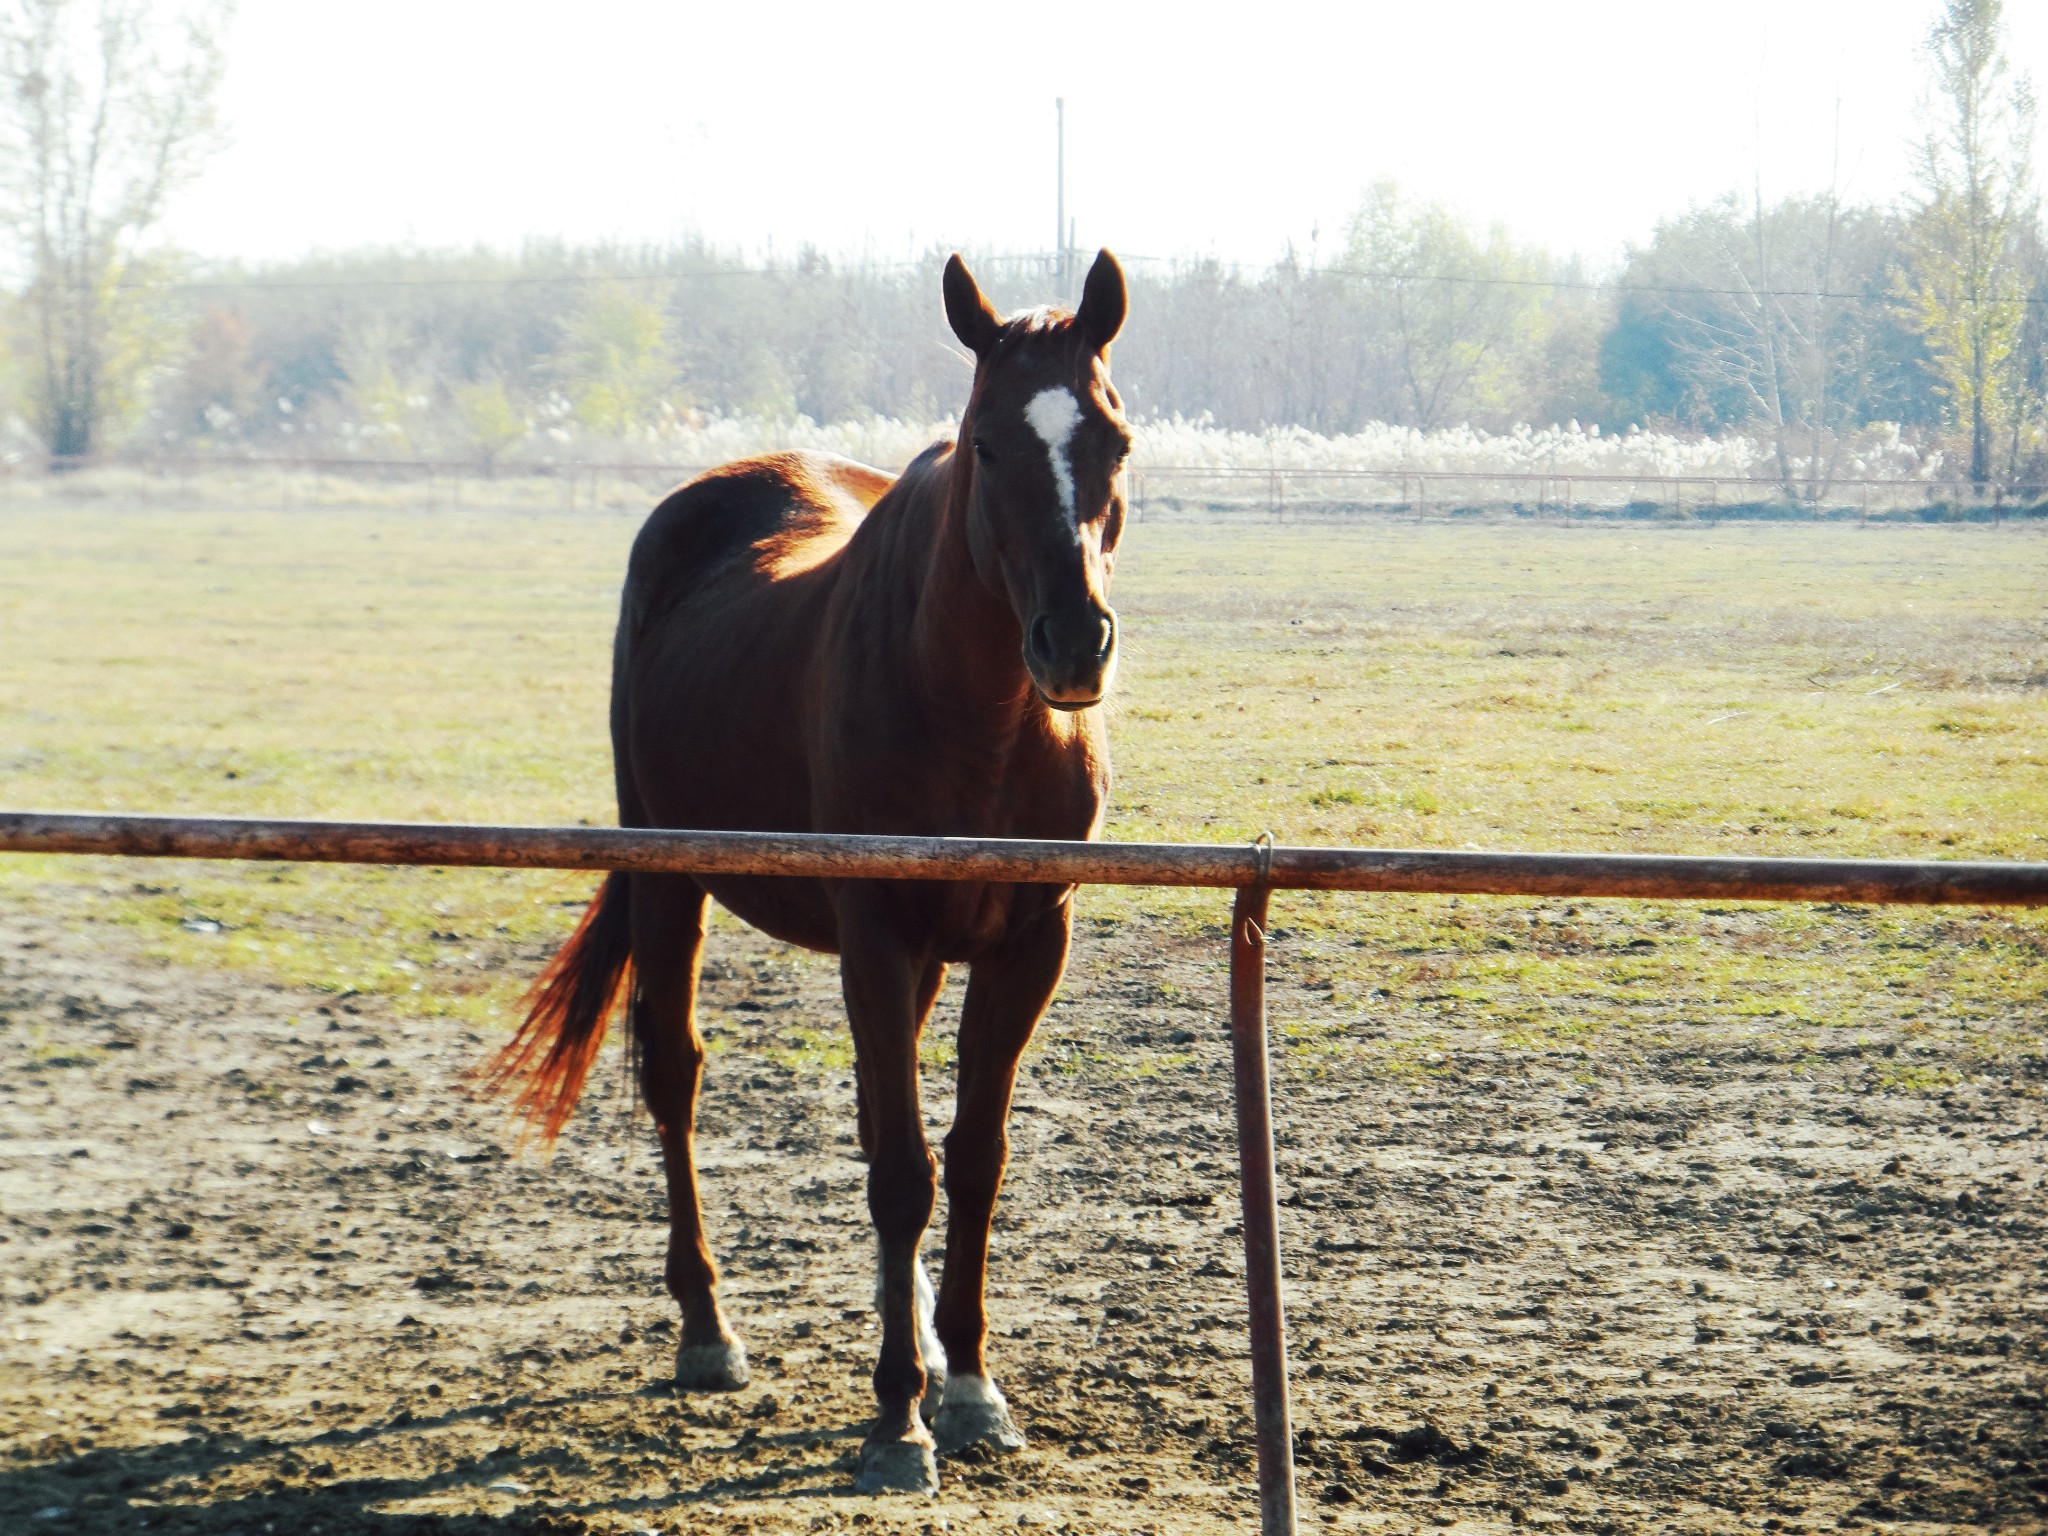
(509, 280)
(1591, 285)
(878, 269)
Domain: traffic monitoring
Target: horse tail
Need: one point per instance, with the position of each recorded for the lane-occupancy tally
(567, 1011)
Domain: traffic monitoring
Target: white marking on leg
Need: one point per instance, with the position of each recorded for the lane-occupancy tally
(1053, 414)
(972, 1392)
(929, 1349)
(925, 1308)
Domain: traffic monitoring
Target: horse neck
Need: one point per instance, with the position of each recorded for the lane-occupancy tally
(968, 643)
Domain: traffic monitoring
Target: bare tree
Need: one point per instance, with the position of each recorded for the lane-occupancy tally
(1963, 281)
(1771, 317)
(106, 106)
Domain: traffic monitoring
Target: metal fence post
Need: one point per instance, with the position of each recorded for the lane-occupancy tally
(1270, 1418)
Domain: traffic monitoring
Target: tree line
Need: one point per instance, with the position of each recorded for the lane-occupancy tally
(1800, 320)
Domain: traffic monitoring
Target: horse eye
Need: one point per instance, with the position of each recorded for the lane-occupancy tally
(983, 452)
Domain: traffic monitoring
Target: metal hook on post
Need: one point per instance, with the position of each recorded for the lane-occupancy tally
(1262, 851)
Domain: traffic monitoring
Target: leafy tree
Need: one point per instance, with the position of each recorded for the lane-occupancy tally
(1639, 362)
(217, 384)
(614, 361)
(106, 106)
(490, 420)
(385, 399)
(1963, 281)
(1452, 308)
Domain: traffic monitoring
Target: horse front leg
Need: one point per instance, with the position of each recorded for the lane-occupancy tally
(1007, 994)
(886, 998)
(668, 940)
(931, 1353)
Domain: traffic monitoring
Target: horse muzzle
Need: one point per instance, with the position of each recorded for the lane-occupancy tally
(1071, 656)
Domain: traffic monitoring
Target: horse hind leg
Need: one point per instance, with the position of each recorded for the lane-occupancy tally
(668, 940)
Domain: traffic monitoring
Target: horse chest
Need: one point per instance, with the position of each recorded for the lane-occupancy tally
(964, 920)
(1034, 792)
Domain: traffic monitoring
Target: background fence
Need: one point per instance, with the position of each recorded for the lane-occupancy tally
(1277, 492)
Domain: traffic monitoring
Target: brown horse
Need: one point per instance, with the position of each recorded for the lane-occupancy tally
(804, 645)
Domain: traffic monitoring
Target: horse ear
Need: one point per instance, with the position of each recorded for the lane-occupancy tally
(1103, 302)
(973, 318)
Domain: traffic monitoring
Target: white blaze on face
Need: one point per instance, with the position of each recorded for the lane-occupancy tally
(1053, 414)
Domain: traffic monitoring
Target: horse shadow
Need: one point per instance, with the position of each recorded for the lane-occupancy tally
(164, 1487)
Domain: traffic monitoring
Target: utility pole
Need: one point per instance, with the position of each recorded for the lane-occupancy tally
(1059, 227)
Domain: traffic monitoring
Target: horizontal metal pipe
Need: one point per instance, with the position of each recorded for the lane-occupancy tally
(845, 857)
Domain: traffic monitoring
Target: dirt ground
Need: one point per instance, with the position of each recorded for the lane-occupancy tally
(268, 1269)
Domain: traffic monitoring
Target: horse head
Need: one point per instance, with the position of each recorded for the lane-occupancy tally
(1042, 446)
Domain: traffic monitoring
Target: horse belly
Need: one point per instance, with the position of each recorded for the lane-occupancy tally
(794, 911)
(711, 763)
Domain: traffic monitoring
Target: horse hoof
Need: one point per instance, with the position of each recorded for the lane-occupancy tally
(961, 1425)
(897, 1466)
(720, 1366)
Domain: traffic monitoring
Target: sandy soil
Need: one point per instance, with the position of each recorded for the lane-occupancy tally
(267, 1269)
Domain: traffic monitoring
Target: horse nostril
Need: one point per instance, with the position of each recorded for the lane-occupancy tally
(1041, 638)
(1106, 638)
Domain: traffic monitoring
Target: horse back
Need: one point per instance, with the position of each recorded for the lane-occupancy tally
(766, 518)
(725, 600)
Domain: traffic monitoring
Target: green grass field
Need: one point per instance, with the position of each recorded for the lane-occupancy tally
(1768, 689)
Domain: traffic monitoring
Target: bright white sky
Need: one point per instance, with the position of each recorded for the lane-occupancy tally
(1190, 128)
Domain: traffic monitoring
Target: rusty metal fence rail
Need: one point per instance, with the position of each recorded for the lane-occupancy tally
(1254, 872)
